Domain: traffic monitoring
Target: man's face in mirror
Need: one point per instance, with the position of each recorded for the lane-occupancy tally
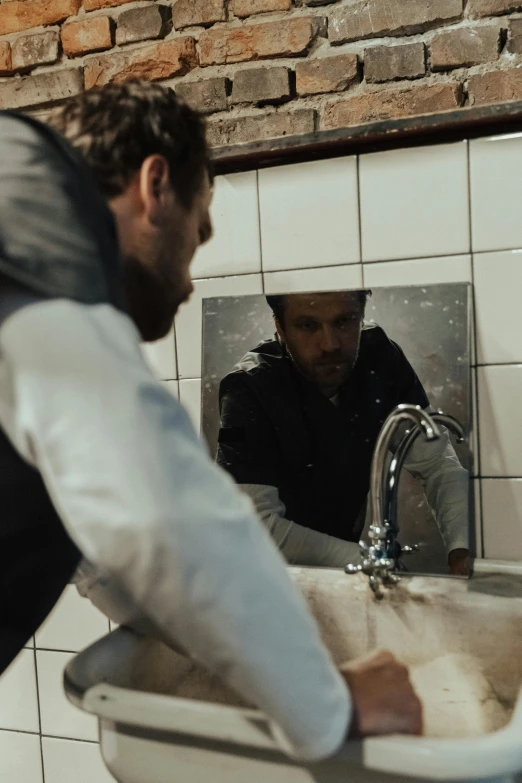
(322, 333)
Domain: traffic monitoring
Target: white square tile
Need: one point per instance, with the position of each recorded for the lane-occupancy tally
(172, 387)
(67, 761)
(500, 420)
(161, 356)
(309, 215)
(414, 202)
(189, 319)
(502, 515)
(190, 396)
(496, 192)
(235, 247)
(59, 717)
(18, 695)
(20, 758)
(423, 271)
(73, 624)
(331, 279)
(498, 286)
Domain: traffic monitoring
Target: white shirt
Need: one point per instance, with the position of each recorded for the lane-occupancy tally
(165, 530)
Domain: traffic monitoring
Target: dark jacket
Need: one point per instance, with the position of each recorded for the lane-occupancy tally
(57, 239)
(277, 429)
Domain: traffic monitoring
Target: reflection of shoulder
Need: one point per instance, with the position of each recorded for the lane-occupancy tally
(377, 346)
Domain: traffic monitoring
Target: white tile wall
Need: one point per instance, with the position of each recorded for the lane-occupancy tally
(500, 420)
(188, 321)
(70, 761)
(349, 276)
(235, 247)
(74, 624)
(190, 396)
(414, 203)
(415, 231)
(161, 357)
(173, 388)
(20, 758)
(502, 508)
(496, 192)
(422, 271)
(59, 717)
(498, 288)
(18, 700)
(309, 215)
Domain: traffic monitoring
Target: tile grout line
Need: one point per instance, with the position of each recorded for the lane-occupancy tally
(476, 400)
(37, 680)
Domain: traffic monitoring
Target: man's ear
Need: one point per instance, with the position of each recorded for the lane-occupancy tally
(154, 181)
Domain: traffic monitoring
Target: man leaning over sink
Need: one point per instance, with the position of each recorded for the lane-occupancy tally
(100, 462)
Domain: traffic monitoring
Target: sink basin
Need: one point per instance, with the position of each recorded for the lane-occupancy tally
(161, 712)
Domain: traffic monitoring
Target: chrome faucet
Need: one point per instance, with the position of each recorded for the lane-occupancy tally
(381, 557)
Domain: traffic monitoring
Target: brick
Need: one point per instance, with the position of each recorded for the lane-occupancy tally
(285, 37)
(480, 8)
(386, 63)
(206, 95)
(261, 85)
(175, 57)
(6, 65)
(390, 105)
(495, 87)
(90, 35)
(514, 43)
(32, 90)
(141, 24)
(38, 49)
(374, 18)
(243, 8)
(19, 15)
(96, 5)
(464, 47)
(243, 129)
(186, 13)
(326, 74)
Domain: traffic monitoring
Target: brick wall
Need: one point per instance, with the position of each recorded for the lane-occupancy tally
(267, 68)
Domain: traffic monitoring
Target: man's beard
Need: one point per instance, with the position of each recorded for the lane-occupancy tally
(152, 302)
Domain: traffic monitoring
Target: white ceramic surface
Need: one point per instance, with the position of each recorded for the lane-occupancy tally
(498, 287)
(309, 215)
(468, 681)
(70, 761)
(319, 279)
(424, 271)
(496, 192)
(190, 396)
(18, 696)
(59, 718)
(414, 202)
(172, 387)
(189, 319)
(500, 421)
(20, 758)
(161, 357)
(235, 246)
(73, 624)
(502, 507)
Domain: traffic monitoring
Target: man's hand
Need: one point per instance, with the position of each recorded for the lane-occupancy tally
(459, 562)
(383, 698)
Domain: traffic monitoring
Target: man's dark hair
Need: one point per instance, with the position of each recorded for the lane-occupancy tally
(117, 126)
(277, 302)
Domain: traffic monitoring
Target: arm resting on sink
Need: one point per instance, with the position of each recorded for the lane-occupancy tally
(140, 497)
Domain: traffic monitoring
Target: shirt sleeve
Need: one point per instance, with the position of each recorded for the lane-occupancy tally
(298, 544)
(138, 494)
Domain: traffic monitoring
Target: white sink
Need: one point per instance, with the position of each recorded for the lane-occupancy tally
(162, 718)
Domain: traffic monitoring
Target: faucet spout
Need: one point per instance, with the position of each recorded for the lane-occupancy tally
(380, 558)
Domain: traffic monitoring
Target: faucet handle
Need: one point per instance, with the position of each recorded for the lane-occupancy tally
(410, 550)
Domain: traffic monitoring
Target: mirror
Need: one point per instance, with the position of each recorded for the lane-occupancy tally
(296, 388)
